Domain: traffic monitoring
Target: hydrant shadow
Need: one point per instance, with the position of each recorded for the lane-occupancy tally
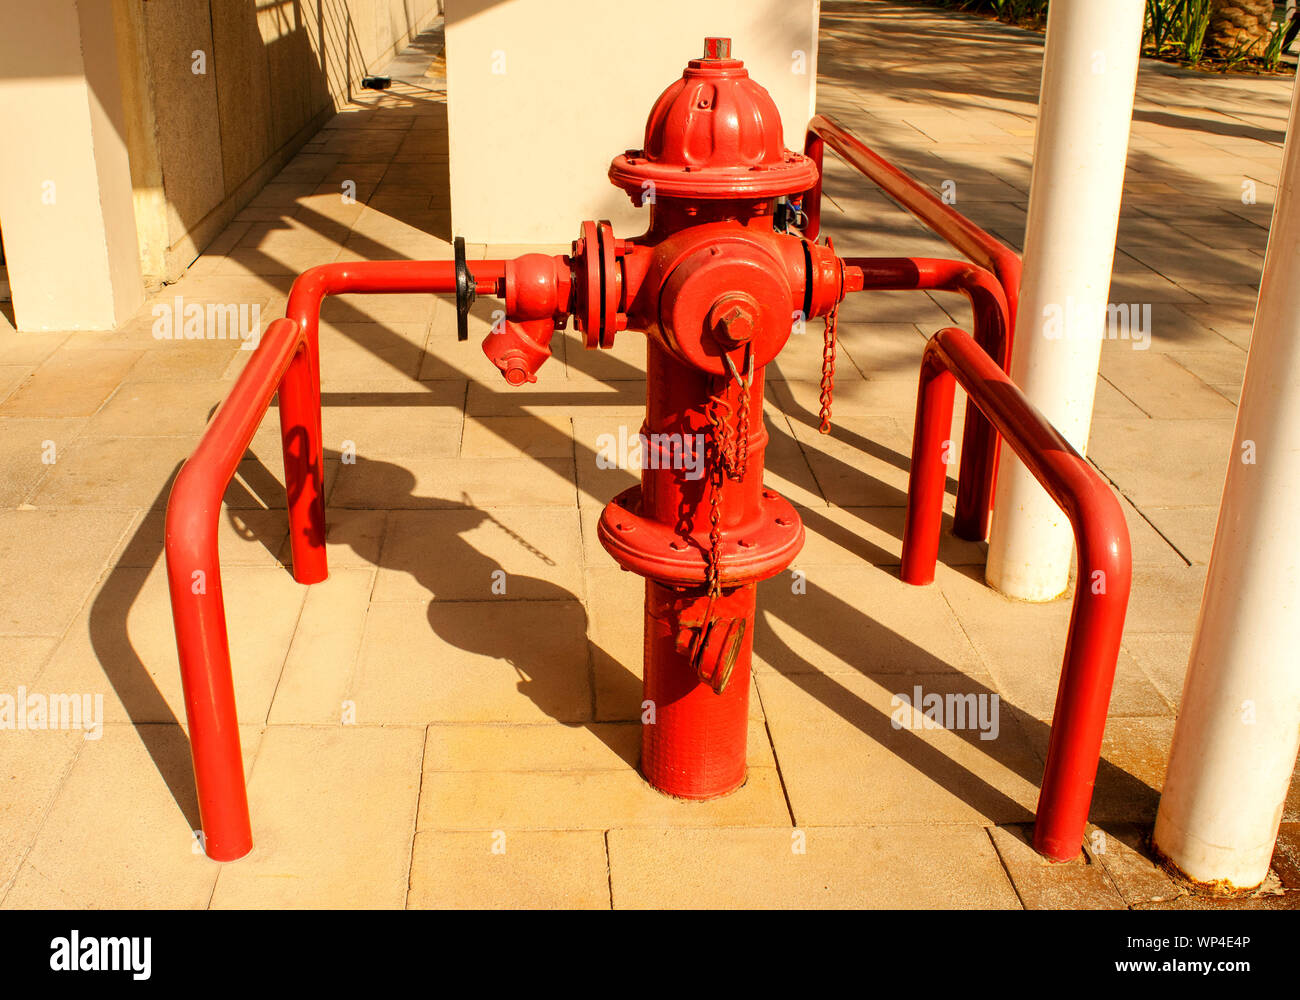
(463, 583)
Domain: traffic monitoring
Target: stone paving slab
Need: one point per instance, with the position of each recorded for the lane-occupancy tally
(896, 867)
(310, 850)
(120, 832)
(523, 869)
(416, 737)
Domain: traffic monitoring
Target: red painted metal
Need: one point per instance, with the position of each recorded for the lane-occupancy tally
(714, 133)
(979, 461)
(287, 361)
(714, 287)
(284, 360)
(992, 329)
(696, 305)
(1104, 574)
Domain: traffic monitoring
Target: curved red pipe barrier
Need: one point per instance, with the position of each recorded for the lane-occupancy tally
(286, 361)
(992, 327)
(980, 448)
(1104, 575)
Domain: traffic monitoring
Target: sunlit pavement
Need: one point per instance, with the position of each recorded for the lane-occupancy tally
(415, 737)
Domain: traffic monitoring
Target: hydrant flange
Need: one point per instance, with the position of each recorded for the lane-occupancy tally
(758, 548)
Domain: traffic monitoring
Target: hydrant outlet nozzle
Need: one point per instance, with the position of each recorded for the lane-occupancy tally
(520, 349)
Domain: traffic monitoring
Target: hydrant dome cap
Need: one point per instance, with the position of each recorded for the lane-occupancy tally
(714, 133)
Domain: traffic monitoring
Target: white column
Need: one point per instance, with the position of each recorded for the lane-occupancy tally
(1084, 112)
(1239, 724)
(65, 181)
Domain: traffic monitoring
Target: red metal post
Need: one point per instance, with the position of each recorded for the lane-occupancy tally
(194, 574)
(287, 361)
(984, 249)
(714, 287)
(980, 445)
(1105, 564)
(697, 648)
(992, 328)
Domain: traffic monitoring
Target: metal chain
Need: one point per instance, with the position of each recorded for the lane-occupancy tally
(740, 460)
(730, 459)
(828, 369)
(712, 567)
(828, 361)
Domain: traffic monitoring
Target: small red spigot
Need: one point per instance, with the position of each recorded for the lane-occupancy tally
(536, 289)
(520, 349)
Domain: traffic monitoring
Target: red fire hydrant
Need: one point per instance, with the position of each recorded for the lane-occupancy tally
(716, 287)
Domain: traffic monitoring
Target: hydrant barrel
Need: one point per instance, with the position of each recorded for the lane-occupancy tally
(697, 648)
(693, 745)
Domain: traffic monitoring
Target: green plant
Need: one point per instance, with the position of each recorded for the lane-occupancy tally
(1238, 54)
(1178, 29)
(1019, 10)
(1161, 20)
(1013, 11)
(1281, 38)
(1292, 29)
(1192, 26)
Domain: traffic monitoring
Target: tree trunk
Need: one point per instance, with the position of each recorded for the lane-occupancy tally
(1239, 26)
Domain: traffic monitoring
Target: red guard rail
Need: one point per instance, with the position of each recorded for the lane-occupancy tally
(979, 459)
(1104, 570)
(288, 361)
(992, 328)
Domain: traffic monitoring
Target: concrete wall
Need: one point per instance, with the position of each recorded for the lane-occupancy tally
(273, 72)
(542, 94)
(134, 131)
(65, 181)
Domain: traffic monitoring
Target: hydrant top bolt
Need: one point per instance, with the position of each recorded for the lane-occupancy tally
(717, 48)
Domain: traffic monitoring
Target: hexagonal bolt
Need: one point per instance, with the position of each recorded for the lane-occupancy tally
(731, 321)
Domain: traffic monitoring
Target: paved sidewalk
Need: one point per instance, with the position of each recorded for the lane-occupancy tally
(413, 739)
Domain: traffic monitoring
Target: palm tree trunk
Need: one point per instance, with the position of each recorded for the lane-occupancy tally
(1239, 26)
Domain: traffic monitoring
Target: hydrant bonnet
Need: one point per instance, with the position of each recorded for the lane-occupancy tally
(714, 133)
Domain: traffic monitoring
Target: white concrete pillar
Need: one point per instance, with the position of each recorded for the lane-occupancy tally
(66, 204)
(1080, 151)
(1238, 727)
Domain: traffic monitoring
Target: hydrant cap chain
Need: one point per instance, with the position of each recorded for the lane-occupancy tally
(714, 133)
